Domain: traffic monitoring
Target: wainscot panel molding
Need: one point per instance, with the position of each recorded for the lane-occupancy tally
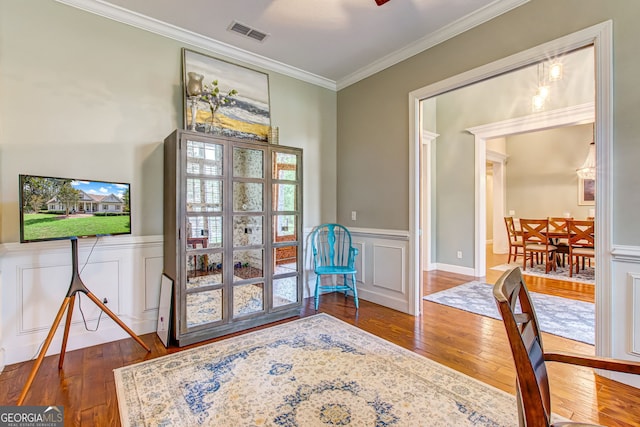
(383, 266)
(634, 335)
(35, 278)
(624, 309)
(381, 279)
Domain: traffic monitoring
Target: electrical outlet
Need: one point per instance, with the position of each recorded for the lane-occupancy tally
(353, 215)
(459, 254)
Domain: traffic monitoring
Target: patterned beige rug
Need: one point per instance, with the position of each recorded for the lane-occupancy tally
(316, 371)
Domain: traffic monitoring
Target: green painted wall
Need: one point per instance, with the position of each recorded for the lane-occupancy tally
(87, 97)
(373, 131)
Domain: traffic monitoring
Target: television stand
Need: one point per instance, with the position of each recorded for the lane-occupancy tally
(76, 286)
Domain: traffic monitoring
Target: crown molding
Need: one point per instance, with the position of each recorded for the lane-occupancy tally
(463, 24)
(125, 16)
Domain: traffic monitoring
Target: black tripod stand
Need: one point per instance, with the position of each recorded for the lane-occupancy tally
(75, 287)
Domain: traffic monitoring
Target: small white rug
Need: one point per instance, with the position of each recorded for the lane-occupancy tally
(316, 371)
(586, 275)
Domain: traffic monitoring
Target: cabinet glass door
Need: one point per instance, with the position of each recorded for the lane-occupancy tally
(248, 287)
(204, 237)
(285, 224)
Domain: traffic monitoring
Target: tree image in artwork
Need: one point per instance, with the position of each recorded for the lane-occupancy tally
(212, 96)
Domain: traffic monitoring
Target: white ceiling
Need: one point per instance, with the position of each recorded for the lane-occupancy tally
(333, 43)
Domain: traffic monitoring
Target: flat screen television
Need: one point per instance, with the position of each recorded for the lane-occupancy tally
(54, 208)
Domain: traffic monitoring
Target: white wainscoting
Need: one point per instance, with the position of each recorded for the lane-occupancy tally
(623, 310)
(35, 278)
(126, 270)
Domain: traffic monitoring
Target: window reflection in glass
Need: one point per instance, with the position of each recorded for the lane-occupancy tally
(285, 166)
(204, 195)
(204, 158)
(284, 197)
(284, 228)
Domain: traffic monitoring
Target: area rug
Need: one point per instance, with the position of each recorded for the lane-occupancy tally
(556, 315)
(315, 371)
(586, 275)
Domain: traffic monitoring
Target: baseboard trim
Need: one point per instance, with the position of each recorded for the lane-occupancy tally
(468, 271)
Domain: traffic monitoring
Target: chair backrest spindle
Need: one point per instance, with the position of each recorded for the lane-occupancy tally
(333, 244)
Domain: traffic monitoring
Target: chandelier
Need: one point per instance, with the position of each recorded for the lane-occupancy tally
(588, 168)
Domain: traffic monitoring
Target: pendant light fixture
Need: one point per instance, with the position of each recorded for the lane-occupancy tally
(543, 91)
(555, 71)
(588, 168)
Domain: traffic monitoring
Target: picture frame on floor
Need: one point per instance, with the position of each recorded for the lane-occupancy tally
(163, 328)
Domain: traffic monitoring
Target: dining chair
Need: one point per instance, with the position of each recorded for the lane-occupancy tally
(532, 382)
(515, 240)
(581, 237)
(334, 255)
(535, 238)
(558, 227)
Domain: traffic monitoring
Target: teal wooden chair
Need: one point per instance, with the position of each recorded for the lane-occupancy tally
(334, 255)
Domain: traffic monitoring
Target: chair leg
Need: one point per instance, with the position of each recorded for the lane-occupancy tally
(344, 278)
(317, 296)
(570, 266)
(546, 263)
(355, 291)
(532, 255)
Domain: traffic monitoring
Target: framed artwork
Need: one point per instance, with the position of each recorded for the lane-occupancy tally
(164, 309)
(586, 192)
(225, 99)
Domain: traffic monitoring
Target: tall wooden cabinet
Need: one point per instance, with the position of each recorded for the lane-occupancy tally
(232, 233)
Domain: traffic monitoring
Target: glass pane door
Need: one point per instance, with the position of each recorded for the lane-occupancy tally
(248, 287)
(203, 233)
(285, 228)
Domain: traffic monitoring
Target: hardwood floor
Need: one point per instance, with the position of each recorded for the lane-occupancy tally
(469, 343)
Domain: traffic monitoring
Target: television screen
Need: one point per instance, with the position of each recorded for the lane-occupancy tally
(64, 208)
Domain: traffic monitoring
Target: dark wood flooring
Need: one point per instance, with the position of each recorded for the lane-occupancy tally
(469, 343)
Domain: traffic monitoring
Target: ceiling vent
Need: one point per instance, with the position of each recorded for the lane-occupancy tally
(247, 31)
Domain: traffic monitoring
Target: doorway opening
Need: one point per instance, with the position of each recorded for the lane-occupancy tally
(424, 228)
